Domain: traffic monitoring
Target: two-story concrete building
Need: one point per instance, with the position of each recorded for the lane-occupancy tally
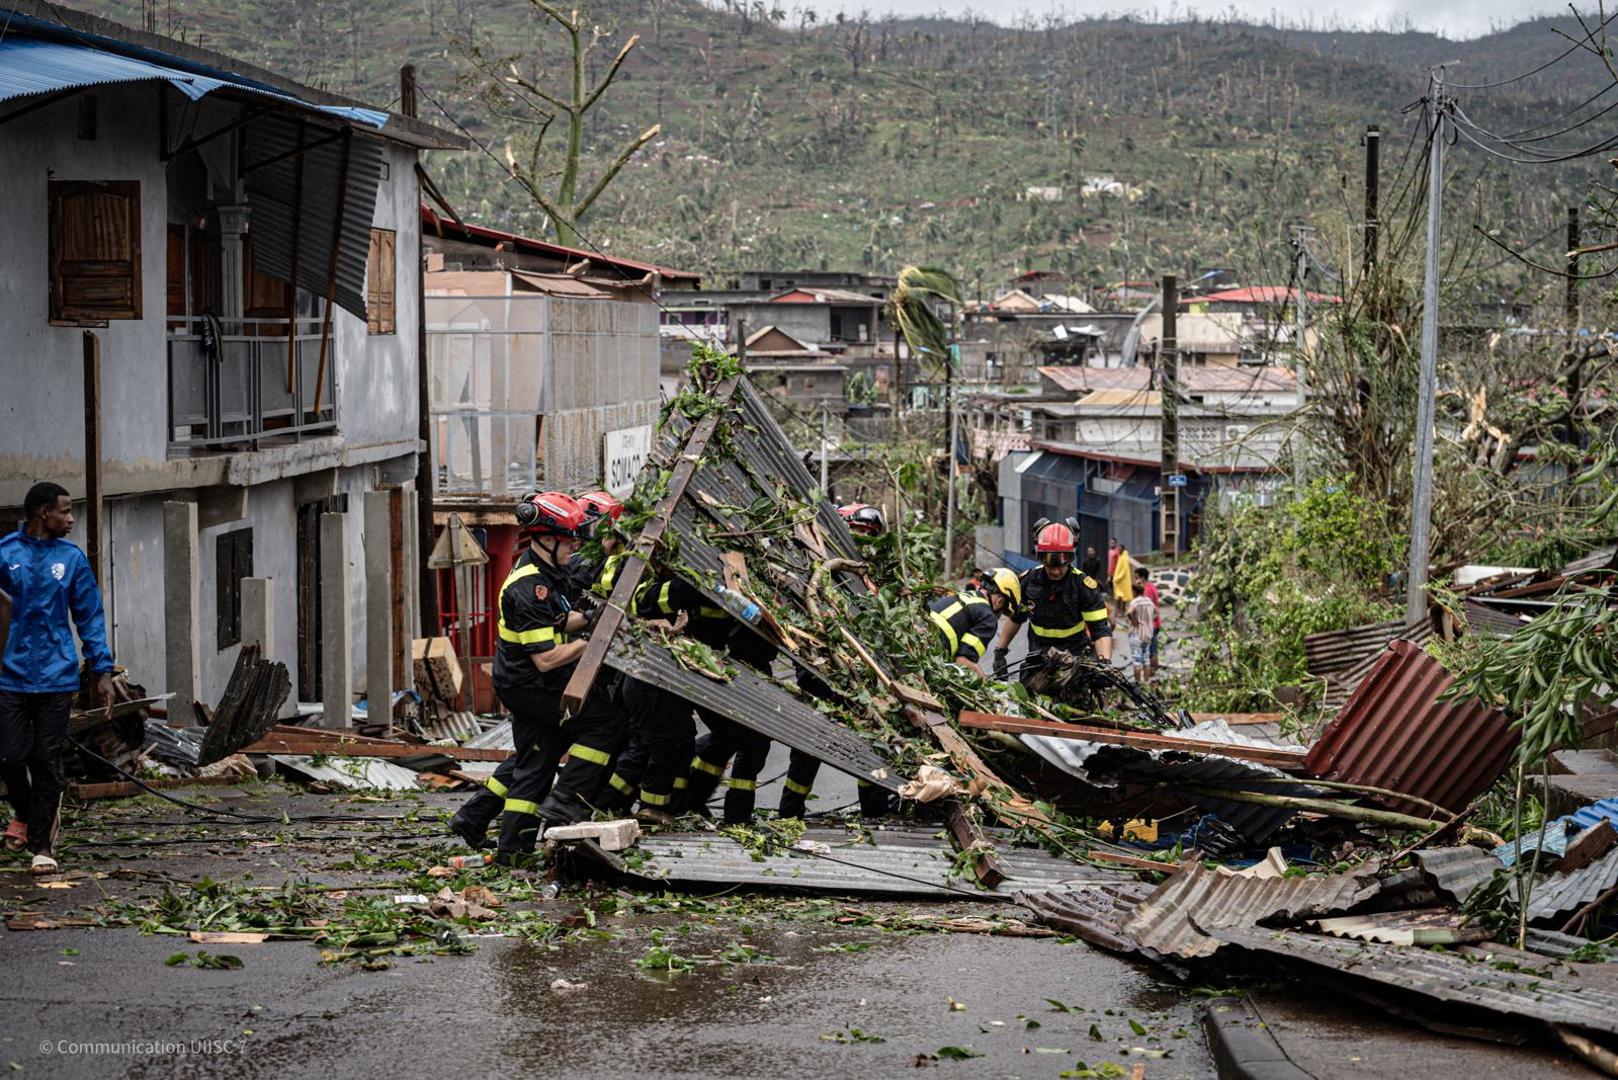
(241, 253)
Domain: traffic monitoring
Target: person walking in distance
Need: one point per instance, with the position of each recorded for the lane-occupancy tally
(1122, 572)
(47, 590)
(1140, 615)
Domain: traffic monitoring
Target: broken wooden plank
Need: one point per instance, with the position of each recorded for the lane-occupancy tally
(123, 789)
(629, 575)
(1285, 760)
(970, 837)
(1003, 799)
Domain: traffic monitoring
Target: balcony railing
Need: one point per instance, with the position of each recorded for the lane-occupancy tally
(253, 381)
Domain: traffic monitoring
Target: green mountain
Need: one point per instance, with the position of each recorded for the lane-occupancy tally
(869, 144)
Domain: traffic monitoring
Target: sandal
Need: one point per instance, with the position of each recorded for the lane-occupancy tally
(16, 835)
(43, 864)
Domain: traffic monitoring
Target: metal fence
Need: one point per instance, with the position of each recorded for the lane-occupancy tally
(247, 380)
(523, 387)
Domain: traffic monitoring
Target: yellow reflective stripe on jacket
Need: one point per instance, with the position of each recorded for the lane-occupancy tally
(524, 637)
(588, 753)
(609, 571)
(1098, 615)
(706, 612)
(663, 604)
(941, 619)
(1060, 632)
(522, 806)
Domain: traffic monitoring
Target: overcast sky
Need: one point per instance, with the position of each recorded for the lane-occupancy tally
(1453, 18)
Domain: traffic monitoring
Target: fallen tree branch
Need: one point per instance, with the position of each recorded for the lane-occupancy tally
(1331, 808)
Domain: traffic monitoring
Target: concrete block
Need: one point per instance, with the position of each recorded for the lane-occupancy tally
(258, 615)
(379, 606)
(181, 619)
(336, 660)
(611, 835)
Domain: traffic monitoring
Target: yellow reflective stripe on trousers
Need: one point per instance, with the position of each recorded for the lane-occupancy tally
(522, 806)
(711, 769)
(621, 785)
(744, 785)
(1097, 615)
(649, 799)
(496, 786)
(588, 753)
(681, 783)
(1051, 631)
(796, 788)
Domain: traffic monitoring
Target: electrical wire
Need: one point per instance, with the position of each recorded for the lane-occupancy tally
(1563, 55)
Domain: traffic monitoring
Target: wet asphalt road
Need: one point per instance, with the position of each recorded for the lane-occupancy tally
(493, 1012)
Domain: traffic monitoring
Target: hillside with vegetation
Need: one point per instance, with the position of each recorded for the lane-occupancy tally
(867, 144)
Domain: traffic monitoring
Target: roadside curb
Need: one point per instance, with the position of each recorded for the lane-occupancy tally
(1242, 1045)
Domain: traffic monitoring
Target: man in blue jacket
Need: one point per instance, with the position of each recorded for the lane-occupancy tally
(44, 580)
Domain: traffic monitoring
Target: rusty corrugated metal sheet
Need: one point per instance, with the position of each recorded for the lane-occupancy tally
(1093, 915)
(1343, 684)
(1331, 652)
(1175, 919)
(1394, 733)
(1555, 993)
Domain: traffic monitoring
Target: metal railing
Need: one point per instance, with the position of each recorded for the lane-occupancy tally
(247, 381)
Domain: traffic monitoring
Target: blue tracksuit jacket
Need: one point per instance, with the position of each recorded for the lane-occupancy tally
(47, 581)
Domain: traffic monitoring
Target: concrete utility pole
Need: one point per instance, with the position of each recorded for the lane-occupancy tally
(426, 472)
(825, 456)
(949, 453)
(1421, 502)
(1169, 394)
(1373, 227)
(1300, 240)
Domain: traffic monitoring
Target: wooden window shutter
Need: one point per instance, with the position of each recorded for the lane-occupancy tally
(95, 250)
(380, 273)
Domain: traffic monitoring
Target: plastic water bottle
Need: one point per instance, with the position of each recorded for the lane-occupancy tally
(740, 606)
(470, 862)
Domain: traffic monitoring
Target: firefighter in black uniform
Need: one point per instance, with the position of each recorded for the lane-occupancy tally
(1062, 607)
(538, 649)
(866, 523)
(968, 620)
(726, 740)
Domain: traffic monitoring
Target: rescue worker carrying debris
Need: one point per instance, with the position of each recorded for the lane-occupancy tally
(539, 646)
(967, 621)
(867, 524)
(1064, 608)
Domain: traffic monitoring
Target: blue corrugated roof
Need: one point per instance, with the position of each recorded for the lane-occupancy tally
(30, 66)
(1586, 816)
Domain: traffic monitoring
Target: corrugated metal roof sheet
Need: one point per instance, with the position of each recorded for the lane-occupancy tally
(1554, 993)
(1394, 733)
(1104, 765)
(1176, 918)
(1552, 839)
(277, 198)
(354, 774)
(1428, 927)
(1562, 894)
(496, 738)
(1198, 380)
(1332, 652)
(1457, 872)
(759, 705)
(1589, 816)
(1093, 915)
(433, 224)
(903, 861)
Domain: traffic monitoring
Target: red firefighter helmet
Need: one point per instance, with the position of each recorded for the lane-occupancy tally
(1054, 537)
(551, 513)
(863, 520)
(599, 504)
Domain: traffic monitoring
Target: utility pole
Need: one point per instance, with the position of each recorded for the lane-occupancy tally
(1572, 303)
(949, 451)
(1300, 241)
(1168, 392)
(1421, 502)
(825, 464)
(426, 472)
(1373, 227)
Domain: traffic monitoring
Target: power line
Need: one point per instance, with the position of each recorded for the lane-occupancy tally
(1563, 55)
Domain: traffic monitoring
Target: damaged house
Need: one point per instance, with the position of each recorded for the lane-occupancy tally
(231, 258)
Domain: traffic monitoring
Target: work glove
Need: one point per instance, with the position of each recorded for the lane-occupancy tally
(592, 617)
(1000, 663)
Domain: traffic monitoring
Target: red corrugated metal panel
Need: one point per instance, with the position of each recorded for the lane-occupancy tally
(1395, 733)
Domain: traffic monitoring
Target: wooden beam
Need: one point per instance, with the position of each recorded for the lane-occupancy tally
(1016, 725)
(969, 836)
(623, 590)
(92, 452)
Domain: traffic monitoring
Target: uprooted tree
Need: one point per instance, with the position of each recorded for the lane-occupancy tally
(519, 89)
